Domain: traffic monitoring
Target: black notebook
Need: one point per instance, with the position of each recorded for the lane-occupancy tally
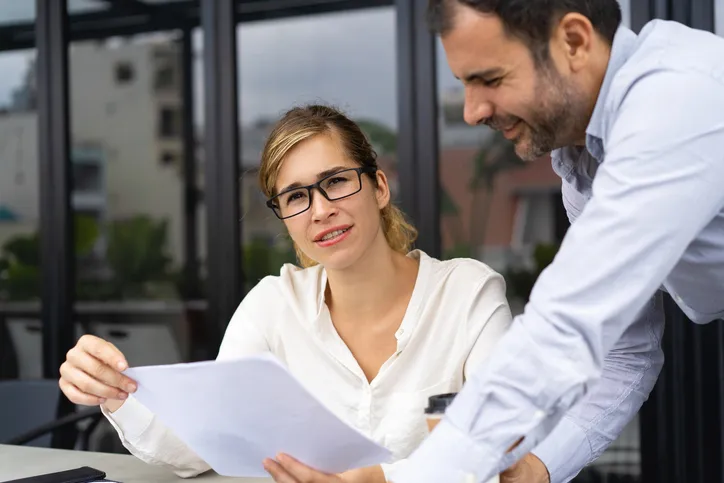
(84, 474)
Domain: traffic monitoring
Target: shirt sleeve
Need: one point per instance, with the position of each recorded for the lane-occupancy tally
(658, 187)
(629, 374)
(149, 440)
(488, 319)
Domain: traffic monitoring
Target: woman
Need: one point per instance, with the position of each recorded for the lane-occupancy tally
(368, 326)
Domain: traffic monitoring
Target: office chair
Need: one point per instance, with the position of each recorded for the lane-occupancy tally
(28, 414)
(93, 415)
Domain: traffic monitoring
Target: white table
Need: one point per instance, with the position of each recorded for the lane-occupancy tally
(23, 461)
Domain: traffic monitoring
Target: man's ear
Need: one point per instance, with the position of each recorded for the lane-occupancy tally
(573, 40)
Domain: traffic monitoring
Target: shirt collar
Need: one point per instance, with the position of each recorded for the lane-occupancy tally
(564, 159)
(621, 49)
(321, 292)
(322, 319)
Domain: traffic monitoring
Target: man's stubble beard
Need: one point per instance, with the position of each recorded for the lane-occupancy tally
(556, 119)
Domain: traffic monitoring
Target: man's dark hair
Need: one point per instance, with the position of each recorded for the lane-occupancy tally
(530, 20)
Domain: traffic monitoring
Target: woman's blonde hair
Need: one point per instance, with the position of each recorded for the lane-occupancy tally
(304, 122)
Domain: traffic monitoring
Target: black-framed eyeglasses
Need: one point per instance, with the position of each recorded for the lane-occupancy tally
(341, 184)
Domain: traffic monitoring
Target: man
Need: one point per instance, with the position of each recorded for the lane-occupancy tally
(636, 126)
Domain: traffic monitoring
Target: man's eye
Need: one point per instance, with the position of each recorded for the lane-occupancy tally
(492, 82)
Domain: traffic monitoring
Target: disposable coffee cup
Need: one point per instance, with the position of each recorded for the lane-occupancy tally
(436, 406)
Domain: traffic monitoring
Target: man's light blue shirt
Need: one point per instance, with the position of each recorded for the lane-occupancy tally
(647, 199)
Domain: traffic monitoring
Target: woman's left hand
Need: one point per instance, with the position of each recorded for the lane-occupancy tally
(288, 470)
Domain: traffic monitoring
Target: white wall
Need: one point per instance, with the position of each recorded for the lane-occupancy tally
(719, 17)
(19, 164)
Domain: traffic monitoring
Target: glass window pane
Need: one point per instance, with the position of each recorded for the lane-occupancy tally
(20, 325)
(625, 12)
(16, 11)
(344, 59)
(136, 285)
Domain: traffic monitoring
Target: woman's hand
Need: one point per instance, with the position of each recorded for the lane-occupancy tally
(91, 374)
(288, 470)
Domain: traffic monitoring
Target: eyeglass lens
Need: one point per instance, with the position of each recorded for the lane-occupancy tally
(336, 186)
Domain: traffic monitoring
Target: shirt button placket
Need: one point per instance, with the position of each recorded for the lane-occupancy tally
(364, 415)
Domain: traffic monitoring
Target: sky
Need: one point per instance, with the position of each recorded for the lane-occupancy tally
(12, 64)
(348, 59)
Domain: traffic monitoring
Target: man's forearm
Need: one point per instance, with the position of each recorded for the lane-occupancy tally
(629, 374)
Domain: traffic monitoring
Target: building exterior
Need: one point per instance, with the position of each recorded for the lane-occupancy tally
(126, 125)
(127, 101)
(501, 223)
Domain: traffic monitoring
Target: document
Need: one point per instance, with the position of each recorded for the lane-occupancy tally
(236, 413)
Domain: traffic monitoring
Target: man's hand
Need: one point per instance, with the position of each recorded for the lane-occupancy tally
(528, 470)
(288, 470)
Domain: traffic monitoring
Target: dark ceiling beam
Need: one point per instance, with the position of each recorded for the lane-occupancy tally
(124, 17)
(93, 26)
(178, 15)
(154, 11)
(78, 35)
(254, 11)
(5, 39)
(246, 7)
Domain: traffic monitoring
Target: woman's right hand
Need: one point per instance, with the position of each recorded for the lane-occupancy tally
(91, 374)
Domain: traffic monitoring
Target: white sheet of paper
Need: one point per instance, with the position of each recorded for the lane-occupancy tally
(235, 413)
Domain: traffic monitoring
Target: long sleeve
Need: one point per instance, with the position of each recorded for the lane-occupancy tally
(659, 186)
(149, 440)
(145, 437)
(629, 374)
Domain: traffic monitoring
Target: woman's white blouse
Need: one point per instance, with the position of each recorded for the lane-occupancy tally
(457, 313)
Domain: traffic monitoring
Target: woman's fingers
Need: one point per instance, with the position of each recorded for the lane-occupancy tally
(76, 396)
(103, 351)
(88, 385)
(99, 370)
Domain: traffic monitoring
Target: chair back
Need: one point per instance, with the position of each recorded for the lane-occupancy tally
(25, 405)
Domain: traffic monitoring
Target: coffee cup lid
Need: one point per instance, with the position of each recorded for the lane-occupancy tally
(439, 403)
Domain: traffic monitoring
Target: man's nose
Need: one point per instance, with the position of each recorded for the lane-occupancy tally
(478, 109)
